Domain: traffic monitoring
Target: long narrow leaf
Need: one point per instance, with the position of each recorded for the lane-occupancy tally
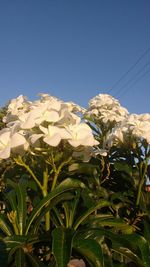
(4, 225)
(53, 203)
(3, 254)
(66, 185)
(90, 250)
(84, 216)
(129, 254)
(20, 206)
(62, 245)
(143, 245)
(20, 258)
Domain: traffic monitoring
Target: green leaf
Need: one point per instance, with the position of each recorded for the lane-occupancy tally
(147, 232)
(123, 167)
(33, 261)
(19, 241)
(11, 197)
(122, 244)
(96, 221)
(20, 258)
(66, 185)
(63, 197)
(128, 254)
(4, 225)
(83, 217)
(90, 250)
(143, 245)
(85, 168)
(20, 206)
(3, 254)
(62, 245)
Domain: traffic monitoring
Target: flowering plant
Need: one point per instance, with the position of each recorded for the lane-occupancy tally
(73, 183)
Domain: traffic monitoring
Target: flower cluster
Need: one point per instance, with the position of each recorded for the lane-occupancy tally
(134, 125)
(106, 108)
(48, 121)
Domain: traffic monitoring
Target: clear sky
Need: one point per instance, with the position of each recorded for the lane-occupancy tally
(76, 49)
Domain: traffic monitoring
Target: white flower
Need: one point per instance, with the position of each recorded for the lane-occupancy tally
(40, 114)
(81, 134)
(10, 140)
(5, 144)
(52, 135)
(34, 137)
(106, 109)
(73, 107)
(103, 100)
(47, 120)
(68, 118)
(139, 125)
(15, 104)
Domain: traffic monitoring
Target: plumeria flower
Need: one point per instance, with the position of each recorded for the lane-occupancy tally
(105, 108)
(50, 102)
(68, 118)
(5, 144)
(103, 100)
(52, 135)
(81, 134)
(15, 104)
(38, 115)
(9, 140)
(72, 107)
(138, 125)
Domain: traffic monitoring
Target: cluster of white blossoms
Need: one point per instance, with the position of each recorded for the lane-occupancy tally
(133, 125)
(48, 119)
(106, 108)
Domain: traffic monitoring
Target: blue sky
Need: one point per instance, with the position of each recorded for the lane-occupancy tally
(75, 49)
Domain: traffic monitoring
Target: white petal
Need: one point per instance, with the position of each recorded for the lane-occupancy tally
(74, 143)
(52, 141)
(30, 120)
(88, 141)
(65, 134)
(17, 140)
(4, 136)
(35, 137)
(43, 129)
(51, 116)
(5, 153)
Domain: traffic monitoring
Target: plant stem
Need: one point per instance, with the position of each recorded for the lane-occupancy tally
(45, 192)
(57, 171)
(139, 191)
(20, 162)
(142, 179)
(47, 215)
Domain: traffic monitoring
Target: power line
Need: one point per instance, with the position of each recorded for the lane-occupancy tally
(132, 78)
(129, 70)
(137, 80)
